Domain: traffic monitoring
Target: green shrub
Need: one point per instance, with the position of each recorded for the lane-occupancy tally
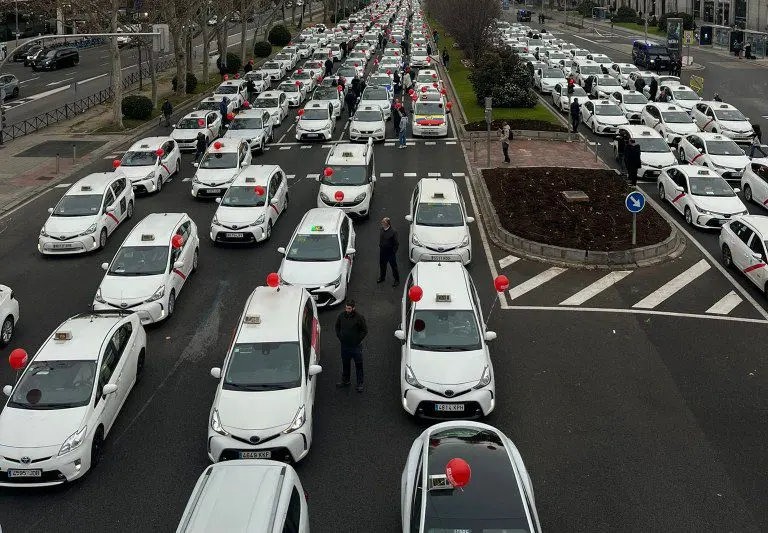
(191, 83)
(585, 8)
(625, 14)
(279, 35)
(502, 75)
(137, 107)
(687, 21)
(262, 49)
(233, 64)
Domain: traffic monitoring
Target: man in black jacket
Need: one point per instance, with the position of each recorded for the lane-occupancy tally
(632, 160)
(388, 245)
(328, 66)
(351, 329)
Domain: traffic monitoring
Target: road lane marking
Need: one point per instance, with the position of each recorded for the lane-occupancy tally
(290, 176)
(429, 143)
(62, 185)
(285, 147)
(597, 287)
(65, 80)
(726, 304)
(303, 147)
(30, 79)
(91, 79)
(186, 179)
(540, 279)
(457, 174)
(313, 176)
(450, 142)
(504, 262)
(673, 286)
(409, 174)
(433, 174)
(386, 174)
(327, 146)
(635, 312)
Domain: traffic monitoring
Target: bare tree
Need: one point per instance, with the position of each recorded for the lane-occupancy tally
(179, 15)
(470, 22)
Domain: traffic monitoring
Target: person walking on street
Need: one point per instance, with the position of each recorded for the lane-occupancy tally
(506, 136)
(351, 330)
(639, 84)
(388, 245)
(167, 111)
(446, 58)
(653, 88)
(402, 127)
(429, 49)
(396, 80)
(575, 115)
(407, 82)
(248, 66)
(251, 89)
(657, 63)
(632, 160)
(395, 111)
(356, 85)
(351, 100)
(717, 98)
(343, 47)
(200, 146)
(223, 109)
(435, 37)
(328, 66)
(621, 147)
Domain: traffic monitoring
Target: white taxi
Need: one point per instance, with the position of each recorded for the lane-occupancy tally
(715, 151)
(150, 162)
(429, 118)
(425, 78)
(545, 79)
(315, 122)
(308, 78)
(320, 254)
(151, 267)
(236, 91)
(349, 185)
(87, 214)
(218, 167)
(266, 393)
(754, 182)
(621, 72)
(274, 69)
(562, 100)
(673, 92)
(251, 206)
(672, 121)
(602, 116)
(368, 122)
(439, 223)
(9, 314)
(604, 85)
(655, 153)
(261, 80)
(703, 197)
(445, 366)
(67, 399)
(212, 104)
(719, 117)
(185, 130)
(295, 92)
(253, 126)
(742, 244)
(276, 102)
(630, 102)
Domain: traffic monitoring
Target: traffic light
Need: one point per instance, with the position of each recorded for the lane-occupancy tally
(571, 85)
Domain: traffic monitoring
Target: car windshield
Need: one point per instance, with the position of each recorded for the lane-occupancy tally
(553, 73)
(263, 366)
(208, 105)
(315, 114)
(374, 93)
(608, 110)
(428, 108)
(138, 159)
(725, 147)
(289, 87)
(656, 50)
(314, 247)
(557, 55)
(710, 186)
(254, 75)
(676, 117)
(652, 144)
(635, 99)
(368, 116)
(590, 69)
(240, 196)
(450, 330)
(190, 123)
(55, 385)
(605, 82)
(684, 94)
(439, 214)
(266, 102)
(78, 205)
(139, 261)
(357, 55)
(271, 65)
(424, 78)
(326, 93)
(346, 175)
(729, 114)
(219, 160)
(226, 89)
(379, 80)
(577, 91)
(50, 53)
(301, 76)
(246, 123)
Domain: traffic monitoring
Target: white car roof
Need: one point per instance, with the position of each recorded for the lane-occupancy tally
(637, 130)
(322, 220)
(269, 94)
(666, 106)
(709, 136)
(255, 175)
(95, 183)
(156, 229)
(88, 333)
(271, 315)
(696, 170)
(348, 153)
(718, 105)
(442, 281)
(759, 222)
(200, 114)
(235, 83)
(227, 146)
(148, 144)
(438, 190)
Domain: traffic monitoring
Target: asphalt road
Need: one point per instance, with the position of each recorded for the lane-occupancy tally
(627, 421)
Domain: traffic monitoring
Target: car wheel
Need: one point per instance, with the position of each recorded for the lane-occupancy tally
(195, 260)
(178, 167)
(97, 445)
(6, 332)
(688, 216)
(727, 257)
(130, 210)
(140, 366)
(15, 92)
(268, 234)
(103, 238)
(662, 194)
(748, 193)
(171, 303)
(159, 184)
(681, 156)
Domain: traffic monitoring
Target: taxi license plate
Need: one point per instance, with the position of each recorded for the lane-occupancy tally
(442, 257)
(213, 191)
(62, 245)
(313, 135)
(256, 455)
(25, 473)
(235, 235)
(449, 407)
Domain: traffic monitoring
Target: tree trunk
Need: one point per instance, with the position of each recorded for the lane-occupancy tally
(179, 54)
(293, 13)
(221, 43)
(243, 40)
(117, 82)
(206, 52)
(153, 74)
(189, 55)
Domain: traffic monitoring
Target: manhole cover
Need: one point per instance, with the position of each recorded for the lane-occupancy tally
(575, 196)
(44, 178)
(63, 148)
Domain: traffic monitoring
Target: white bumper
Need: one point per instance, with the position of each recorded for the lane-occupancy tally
(76, 245)
(425, 404)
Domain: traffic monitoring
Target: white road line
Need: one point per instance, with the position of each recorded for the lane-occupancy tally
(457, 174)
(433, 174)
(450, 142)
(62, 185)
(673, 285)
(596, 288)
(327, 146)
(386, 174)
(65, 80)
(540, 279)
(588, 40)
(186, 179)
(504, 262)
(285, 147)
(290, 176)
(30, 79)
(429, 143)
(313, 176)
(726, 304)
(303, 147)
(409, 174)
(407, 143)
(91, 79)
(635, 312)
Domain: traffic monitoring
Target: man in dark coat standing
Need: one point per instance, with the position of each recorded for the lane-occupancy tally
(653, 88)
(328, 66)
(388, 245)
(351, 329)
(351, 100)
(575, 115)
(632, 160)
(396, 115)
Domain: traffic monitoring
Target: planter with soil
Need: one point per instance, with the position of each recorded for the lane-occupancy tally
(532, 215)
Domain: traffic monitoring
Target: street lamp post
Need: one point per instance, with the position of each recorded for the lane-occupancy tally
(16, 2)
(645, 14)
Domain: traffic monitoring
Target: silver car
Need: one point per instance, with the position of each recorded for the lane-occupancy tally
(9, 86)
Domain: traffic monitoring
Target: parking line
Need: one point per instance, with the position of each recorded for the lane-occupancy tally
(450, 142)
(597, 287)
(285, 147)
(673, 285)
(290, 176)
(313, 176)
(634, 312)
(457, 174)
(726, 304)
(305, 146)
(540, 279)
(433, 174)
(186, 179)
(504, 262)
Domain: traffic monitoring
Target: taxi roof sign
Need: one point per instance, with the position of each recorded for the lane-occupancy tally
(144, 146)
(442, 297)
(250, 180)
(438, 482)
(316, 228)
(438, 195)
(347, 154)
(645, 133)
(63, 335)
(252, 319)
(703, 172)
(86, 188)
(147, 237)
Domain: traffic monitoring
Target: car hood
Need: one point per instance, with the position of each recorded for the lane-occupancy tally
(445, 236)
(247, 410)
(137, 173)
(185, 133)
(730, 161)
(662, 159)
(447, 368)
(32, 428)
(720, 204)
(681, 127)
(738, 126)
(314, 125)
(270, 110)
(244, 134)
(210, 176)
(553, 81)
(130, 288)
(69, 225)
(613, 121)
(634, 108)
(383, 104)
(365, 125)
(309, 274)
(238, 215)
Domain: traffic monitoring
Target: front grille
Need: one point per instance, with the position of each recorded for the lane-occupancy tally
(454, 395)
(714, 223)
(247, 237)
(47, 477)
(124, 306)
(426, 409)
(141, 189)
(278, 454)
(440, 249)
(186, 140)
(247, 440)
(33, 461)
(63, 237)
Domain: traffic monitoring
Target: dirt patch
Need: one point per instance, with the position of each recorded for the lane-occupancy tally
(530, 205)
(516, 124)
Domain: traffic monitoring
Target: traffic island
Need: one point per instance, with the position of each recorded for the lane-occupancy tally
(573, 216)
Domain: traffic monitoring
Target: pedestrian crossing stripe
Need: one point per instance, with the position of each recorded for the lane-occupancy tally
(290, 176)
(186, 179)
(386, 174)
(305, 147)
(285, 148)
(433, 174)
(409, 174)
(504, 262)
(313, 176)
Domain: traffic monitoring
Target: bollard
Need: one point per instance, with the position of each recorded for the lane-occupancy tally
(57, 164)
(74, 153)
(474, 147)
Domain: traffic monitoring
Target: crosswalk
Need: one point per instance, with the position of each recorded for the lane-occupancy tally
(10, 104)
(383, 175)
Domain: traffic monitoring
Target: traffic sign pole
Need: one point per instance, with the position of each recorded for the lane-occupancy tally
(634, 202)
(634, 229)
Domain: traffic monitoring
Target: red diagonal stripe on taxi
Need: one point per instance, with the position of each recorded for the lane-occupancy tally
(166, 168)
(273, 206)
(180, 273)
(113, 217)
(696, 157)
(765, 202)
(753, 267)
(678, 197)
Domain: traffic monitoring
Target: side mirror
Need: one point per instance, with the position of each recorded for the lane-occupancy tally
(217, 200)
(7, 390)
(273, 201)
(470, 220)
(109, 388)
(736, 190)
(408, 218)
(314, 370)
(50, 209)
(216, 372)
(281, 250)
(110, 209)
(105, 266)
(173, 125)
(701, 150)
(400, 334)
(351, 251)
(489, 336)
(178, 264)
(195, 164)
(757, 256)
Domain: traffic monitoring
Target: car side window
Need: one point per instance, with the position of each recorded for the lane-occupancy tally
(120, 339)
(109, 198)
(756, 245)
(306, 333)
(293, 516)
(408, 303)
(710, 113)
(761, 171)
(107, 368)
(344, 236)
(417, 497)
(211, 118)
(184, 230)
(743, 233)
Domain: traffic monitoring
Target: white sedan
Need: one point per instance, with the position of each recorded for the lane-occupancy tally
(754, 181)
(742, 244)
(295, 92)
(275, 69)
(630, 102)
(150, 162)
(562, 99)
(719, 117)
(602, 116)
(546, 79)
(276, 102)
(9, 314)
(714, 151)
(218, 167)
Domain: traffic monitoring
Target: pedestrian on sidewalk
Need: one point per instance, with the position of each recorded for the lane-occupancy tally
(446, 58)
(351, 101)
(248, 66)
(429, 49)
(351, 330)
(200, 146)
(632, 160)
(506, 135)
(653, 89)
(435, 37)
(388, 245)
(402, 127)
(167, 111)
(621, 147)
(575, 115)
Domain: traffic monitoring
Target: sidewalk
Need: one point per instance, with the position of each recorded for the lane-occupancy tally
(532, 153)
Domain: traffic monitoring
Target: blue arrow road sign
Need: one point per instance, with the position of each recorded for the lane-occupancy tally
(635, 201)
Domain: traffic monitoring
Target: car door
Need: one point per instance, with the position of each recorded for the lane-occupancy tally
(118, 188)
(678, 189)
(759, 184)
(756, 261)
(695, 150)
(113, 370)
(309, 342)
(292, 522)
(588, 110)
(213, 121)
(709, 118)
(273, 188)
(183, 254)
(345, 245)
(699, 114)
(739, 245)
(110, 218)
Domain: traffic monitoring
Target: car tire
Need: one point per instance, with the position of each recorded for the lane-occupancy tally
(140, 365)
(171, 303)
(268, 234)
(748, 194)
(196, 260)
(15, 93)
(662, 193)
(103, 239)
(727, 258)
(97, 446)
(688, 216)
(6, 332)
(178, 167)
(159, 184)
(129, 212)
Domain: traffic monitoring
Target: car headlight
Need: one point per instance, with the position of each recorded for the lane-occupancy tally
(215, 220)
(98, 296)
(43, 233)
(150, 176)
(360, 197)
(465, 241)
(702, 211)
(91, 229)
(410, 378)
(298, 420)
(415, 240)
(195, 179)
(216, 423)
(718, 167)
(324, 197)
(258, 221)
(334, 284)
(485, 379)
(158, 294)
(73, 441)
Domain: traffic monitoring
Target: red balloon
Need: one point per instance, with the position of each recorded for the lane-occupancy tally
(501, 282)
(449, 105)
(434, 85)
(328, 172)
(429, 59)
(177, 241)
(434, 76)
(226, 77)
(443, 91)
(338, 196)
(415, 293)
(413, 98)
(357, 65)
(258, 189)
(376, 61)
(299, 71)
(339, 88)
(411, 91)
(18, 359)
(289, 44)
(200, 122)
(398, 105)
(389, 72)
(397, 53)
(217, 145)
(300, 112)
(298, 83)
(160, 152)
(424, 89)
(246, 104)
(273, 279)
(116, 163)
(230, 116)
(237, 76)
(458, 472)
